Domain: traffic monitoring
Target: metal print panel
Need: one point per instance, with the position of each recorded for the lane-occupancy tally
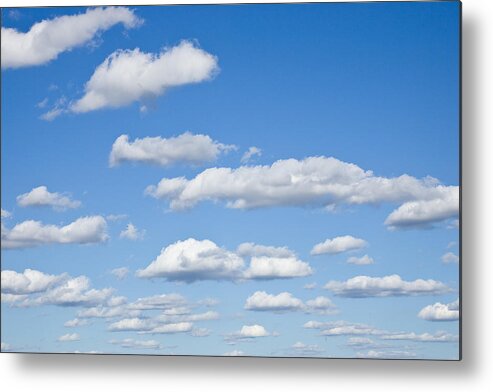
(274, 180)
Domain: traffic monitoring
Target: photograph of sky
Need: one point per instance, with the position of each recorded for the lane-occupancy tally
(245, 180)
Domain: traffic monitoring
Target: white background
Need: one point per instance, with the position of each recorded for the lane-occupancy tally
(474, 373)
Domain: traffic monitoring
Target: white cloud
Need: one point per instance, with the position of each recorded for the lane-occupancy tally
(387, 354)
(85, 230)
(251, 152)
(69, 337)
(76, 322)
(321, 305)
(28, 282)
(313, 181)
(192, 260)
(132, 233)
(128, 76)
(438, 337)
(120, 273)
(131, 324)
(40, 196)
(172, 328)
(261, 301)
(186, 148)
(310, 286)
(5, 214)
(425, 212)
(137, 344)
(342, 328)
(47, 39)
(387, 286)
(449, 258)
(6, 347)
(363, 260)
(159, 302)
(116, 217)
(283, 302)
(248, 332)
(338, 245)
(440, 312)
(274, 268)
(34, 288)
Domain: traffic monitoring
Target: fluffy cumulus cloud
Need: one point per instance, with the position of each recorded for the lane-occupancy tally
(76, 322)
(284, 302)
(261, 301)
(266, 267)
(425, 212)
(85, 230)
(387, 286)
(40, 196)
(248, 333)
(363, 260)
(192, 260)
(250, 153)
(338, 245)
(440, 312)
(45, 40)
(132, 233)
(186, 148)
(128, 76)
(35, 288)
(313, 181)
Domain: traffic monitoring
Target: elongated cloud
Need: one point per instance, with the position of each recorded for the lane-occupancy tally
(35, 288)
(186, 148)
(47, 39)
(313, 181)
(69, 337)
(425, 212)
(338, 245)
(438, 337)
(286, 302)
(86, 230)
(192, 260)
(387, 286)
(40, 197)
(128, 76)
(440, 312)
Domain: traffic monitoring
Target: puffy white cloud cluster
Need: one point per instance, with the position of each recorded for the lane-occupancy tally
(338, 245)
(248, 333)
(386, 286)
(192, 260)
(284, 302)
(314, 181)
(186, 148)
(35, 288)
(45, 40)
(30, 233)
(40, 196)
(440, 312)
(450, 258)
(363, 260)
(127, 76)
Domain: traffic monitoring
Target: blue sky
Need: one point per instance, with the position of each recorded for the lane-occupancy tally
(373, 85)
